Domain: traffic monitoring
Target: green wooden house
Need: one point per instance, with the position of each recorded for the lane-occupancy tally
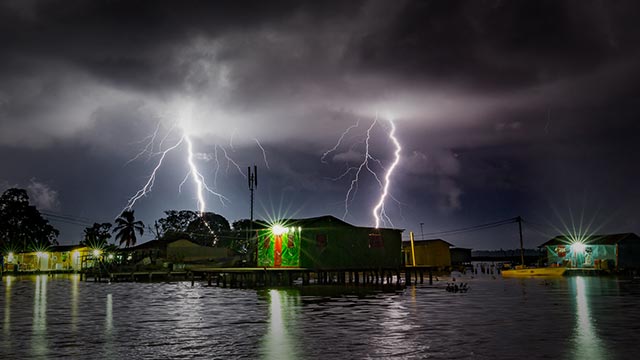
(328, 243)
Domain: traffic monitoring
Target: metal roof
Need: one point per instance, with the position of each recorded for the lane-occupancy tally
(604, 239)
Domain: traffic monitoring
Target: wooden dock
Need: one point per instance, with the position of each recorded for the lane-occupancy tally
(262, 277)
(252, 277)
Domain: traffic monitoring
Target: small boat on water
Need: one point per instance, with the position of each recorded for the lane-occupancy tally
(523, 271)
(529, 272)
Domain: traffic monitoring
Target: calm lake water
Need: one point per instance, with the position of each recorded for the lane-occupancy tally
(564, 318)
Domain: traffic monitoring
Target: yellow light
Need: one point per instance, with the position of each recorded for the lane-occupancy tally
(110, 256)
(75, 254)
(278, 229)
(41, 254)
(96, 252)
(578, 247)
(10, 257)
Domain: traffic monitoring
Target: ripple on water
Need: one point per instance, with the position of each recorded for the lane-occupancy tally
(498, 318)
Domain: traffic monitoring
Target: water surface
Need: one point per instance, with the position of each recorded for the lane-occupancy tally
(565, 318)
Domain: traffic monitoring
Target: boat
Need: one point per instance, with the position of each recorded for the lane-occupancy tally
(523, 271)
(530, 272)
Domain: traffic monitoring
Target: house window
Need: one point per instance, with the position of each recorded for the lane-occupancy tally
(321, 241)
(290, 241)
(375, 240)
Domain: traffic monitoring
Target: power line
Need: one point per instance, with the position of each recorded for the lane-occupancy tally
(473, 228)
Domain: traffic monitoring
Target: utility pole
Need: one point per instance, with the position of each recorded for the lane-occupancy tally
(422, 231)
(519, 220)
(253, 184)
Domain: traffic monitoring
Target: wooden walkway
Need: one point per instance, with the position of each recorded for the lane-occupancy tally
(251, 277)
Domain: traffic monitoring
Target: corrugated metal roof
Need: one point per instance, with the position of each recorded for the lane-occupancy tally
(427, 241)
(308, 222)
(604, 239)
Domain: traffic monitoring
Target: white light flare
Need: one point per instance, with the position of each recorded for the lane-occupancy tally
(378, 211)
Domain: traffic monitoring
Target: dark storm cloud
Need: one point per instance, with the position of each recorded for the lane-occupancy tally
(501, 44)
(134, 43)
(493, 99)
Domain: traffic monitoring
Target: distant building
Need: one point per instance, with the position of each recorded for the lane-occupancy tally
(609, 252)
(328, 243)
(433, 252)
(54, 258)
(178, 251)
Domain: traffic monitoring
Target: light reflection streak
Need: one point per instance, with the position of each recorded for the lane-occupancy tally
(6, 327)
(75, 280)
(109, 314)
(279, 343)
(39, 325)
(397, 320)
(587, 343)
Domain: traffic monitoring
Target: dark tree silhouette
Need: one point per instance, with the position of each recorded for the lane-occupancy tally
(22, 227)
(126, 228)
(208, 229)
(97, 235)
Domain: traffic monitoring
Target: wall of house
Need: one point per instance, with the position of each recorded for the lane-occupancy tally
(593, 256)
(432, 253)
(287, 245)
(187, 251)
(629, 253)
(47, 261)
(347, 247)
(460, 256)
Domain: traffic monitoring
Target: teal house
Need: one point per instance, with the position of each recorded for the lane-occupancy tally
(607, 252)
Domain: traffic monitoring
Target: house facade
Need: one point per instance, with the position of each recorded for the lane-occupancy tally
(54, 258)
(431, 253)
(607, 252)
(328, 243)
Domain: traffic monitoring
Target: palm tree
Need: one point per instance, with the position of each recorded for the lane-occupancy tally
(126, 228)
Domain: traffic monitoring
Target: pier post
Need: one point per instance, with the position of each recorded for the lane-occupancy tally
(430, 276)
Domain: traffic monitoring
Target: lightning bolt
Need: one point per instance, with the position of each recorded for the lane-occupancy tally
(193, 173)
(264, 153)
(198, 179)
(152, 178)
(326, 153)
(378, 211)
(353, 187)
(366, 165)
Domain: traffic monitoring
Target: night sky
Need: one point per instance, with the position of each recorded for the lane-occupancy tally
(502, 108)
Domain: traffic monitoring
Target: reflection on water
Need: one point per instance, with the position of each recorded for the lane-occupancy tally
(7, 305)
(39, 324)
(60, 317)
(587, 343)
(279, 342)
(75, 279)
(109, 317)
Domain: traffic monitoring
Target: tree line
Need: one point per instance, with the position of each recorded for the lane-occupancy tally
(23, 228)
